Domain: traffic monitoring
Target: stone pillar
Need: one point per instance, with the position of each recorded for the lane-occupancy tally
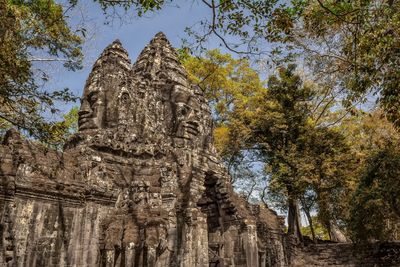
(250, 245)
(194, 244)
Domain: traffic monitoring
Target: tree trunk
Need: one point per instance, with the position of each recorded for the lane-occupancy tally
(294, 219)
(335, 233)
(306, 210)
(310, 222)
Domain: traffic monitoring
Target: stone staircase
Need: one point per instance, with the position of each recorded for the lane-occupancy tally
(342, 255)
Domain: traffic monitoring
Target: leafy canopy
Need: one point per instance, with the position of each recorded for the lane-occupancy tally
(31, 32)
(354, 42)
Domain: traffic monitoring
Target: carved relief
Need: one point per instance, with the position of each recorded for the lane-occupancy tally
(92, 110)
(138, 185)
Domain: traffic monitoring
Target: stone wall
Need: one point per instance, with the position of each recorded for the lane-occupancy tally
(345, 255)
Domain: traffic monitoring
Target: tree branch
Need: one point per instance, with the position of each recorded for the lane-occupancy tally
(47, 59)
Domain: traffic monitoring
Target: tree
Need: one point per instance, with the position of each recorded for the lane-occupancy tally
(334, 166)
(300, 156)
(375, 209)
(277, 124)
(318, 232)
(354, 42)
(30, 32)
(64, 129)
(373, 196)
(227, 83)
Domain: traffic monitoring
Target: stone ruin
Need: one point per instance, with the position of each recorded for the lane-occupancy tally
(138, 185)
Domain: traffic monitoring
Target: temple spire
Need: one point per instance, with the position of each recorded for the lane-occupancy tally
(109, 76)
(114, 53)
(159, 60)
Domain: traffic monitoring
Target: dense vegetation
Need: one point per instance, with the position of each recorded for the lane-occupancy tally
(303, 141)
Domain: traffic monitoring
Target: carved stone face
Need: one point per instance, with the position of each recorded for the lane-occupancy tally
(104, 107)
(188, 123)
(192, 123)
(92, 111)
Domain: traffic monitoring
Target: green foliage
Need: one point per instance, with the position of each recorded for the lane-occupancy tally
(364, 208)
(62, 130)
(355, 42)
(351, 48)
(71, 120)
(65, 128)
(228, 84)
(298, 154)
(277, 123)
(375, 207)
(319, 230)
(141, 7)
(32, 31)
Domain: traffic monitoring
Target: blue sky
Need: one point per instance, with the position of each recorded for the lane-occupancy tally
(134, 33)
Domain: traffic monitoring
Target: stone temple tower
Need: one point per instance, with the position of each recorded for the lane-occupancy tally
(139, 184)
